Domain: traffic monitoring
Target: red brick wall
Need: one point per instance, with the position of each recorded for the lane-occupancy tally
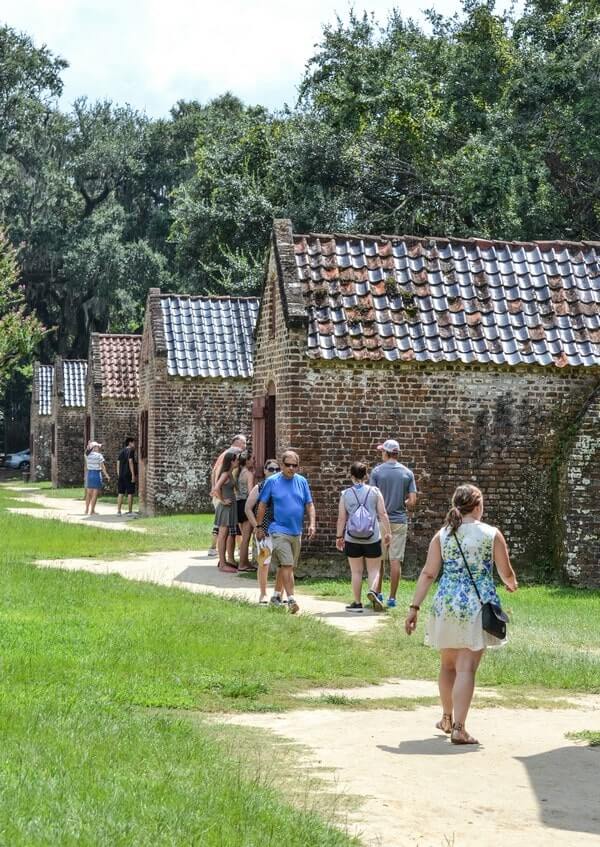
(40, 428)
(499, 428)
(67, 459)
(580, 489)
(190, 421)
(112, 420)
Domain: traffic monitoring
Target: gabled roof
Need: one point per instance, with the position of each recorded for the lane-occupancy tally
(116, 365)
(207, 336)
(73, 377)
(446, 300)
(44, 375)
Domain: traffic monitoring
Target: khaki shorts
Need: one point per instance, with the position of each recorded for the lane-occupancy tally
(398, 544)
(286, 549)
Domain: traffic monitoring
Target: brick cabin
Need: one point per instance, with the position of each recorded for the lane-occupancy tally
(482, 358)
(68, 422)
(40, 438)
(112, 395)
(195, 394)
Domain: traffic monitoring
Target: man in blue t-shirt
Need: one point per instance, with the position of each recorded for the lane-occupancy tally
(397, 484)
(289, 495)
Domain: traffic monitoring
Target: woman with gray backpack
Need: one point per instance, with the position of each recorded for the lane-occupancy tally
(358, 534)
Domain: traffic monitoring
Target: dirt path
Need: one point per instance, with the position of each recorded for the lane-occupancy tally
(71, 510)
(526, 786)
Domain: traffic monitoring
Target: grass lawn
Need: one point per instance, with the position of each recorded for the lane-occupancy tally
(554, 637)
(105, 685)
(35, 538)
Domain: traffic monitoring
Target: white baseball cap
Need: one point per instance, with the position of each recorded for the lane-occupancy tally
(390, 446)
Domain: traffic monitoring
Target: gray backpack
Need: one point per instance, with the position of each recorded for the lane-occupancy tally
(361, 524)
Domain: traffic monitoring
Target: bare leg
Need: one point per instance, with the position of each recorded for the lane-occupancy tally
(222, 539)
(395, 574)
(373, 571)
(278, 589)
(130, 503)
(88, 497)
(246, 533)
(357, 565)
(93, 499)
(119, 504)
(262, 575)
(287, 576)
(378, 588)
(467, 662)
(230, 545)
(446, 681)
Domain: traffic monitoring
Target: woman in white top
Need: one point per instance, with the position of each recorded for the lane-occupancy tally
(455, 624)
(95, 470)
(363, 548)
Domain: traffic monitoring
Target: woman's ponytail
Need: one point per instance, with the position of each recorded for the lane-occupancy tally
(454, 518)
(464, 500)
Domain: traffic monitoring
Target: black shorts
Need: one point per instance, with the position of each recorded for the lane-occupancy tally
(369, 551)
(241, 511)
(125, 486)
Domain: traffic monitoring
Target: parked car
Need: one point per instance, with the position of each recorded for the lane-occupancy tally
(20, 460)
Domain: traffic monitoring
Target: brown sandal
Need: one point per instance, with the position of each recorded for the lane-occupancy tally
(461, 736)
(445, 724)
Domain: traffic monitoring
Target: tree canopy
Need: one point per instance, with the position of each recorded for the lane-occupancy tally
(484, 123)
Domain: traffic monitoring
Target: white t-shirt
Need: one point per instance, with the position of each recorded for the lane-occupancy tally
(94, 461)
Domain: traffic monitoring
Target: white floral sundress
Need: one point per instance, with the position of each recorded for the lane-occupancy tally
(455, 620)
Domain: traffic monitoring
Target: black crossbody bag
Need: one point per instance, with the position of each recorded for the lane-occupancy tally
(493, 618)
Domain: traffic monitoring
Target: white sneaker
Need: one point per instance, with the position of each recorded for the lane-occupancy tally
(212, 553)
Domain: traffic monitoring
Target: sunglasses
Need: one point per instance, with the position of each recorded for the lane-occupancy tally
(291, 464)
(272, 468)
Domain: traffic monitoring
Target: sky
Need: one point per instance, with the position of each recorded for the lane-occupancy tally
(151, 53)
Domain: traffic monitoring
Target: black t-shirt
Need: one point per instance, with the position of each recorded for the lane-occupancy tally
(125, 455)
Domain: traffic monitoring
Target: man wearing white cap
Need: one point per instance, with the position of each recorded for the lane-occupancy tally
(397, 484)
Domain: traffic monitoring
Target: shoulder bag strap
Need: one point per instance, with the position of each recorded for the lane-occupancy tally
(467, 567)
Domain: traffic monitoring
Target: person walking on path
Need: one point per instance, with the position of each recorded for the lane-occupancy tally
(397, 484)
(289, 494)
(126, 475)
(271, 467)
(238, 442)
(361, 515)
(95, 470)
(455, 624)
(224, 494)
(244, 480)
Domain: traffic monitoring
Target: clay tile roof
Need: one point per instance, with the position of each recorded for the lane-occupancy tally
(118, 365)
(74, 374)
(397, 297)
(209, 336)
(45, 380)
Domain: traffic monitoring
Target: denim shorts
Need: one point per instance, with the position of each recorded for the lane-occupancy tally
(94, 480)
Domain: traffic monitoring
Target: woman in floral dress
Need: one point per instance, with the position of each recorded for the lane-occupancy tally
(454, 627)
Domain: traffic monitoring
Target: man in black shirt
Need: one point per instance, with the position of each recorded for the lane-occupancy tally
(127, 475)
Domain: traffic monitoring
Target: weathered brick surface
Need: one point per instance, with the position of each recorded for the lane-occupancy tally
(190, 420)
(68, 423)
(111, 418)
(499, 427)
(40, 435)
(580, 490)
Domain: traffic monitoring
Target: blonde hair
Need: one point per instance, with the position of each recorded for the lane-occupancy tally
(465, 499)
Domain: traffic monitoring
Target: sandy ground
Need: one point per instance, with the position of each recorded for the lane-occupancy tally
(72, 511)
(525, 786)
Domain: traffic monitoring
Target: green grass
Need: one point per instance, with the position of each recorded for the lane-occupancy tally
(591, 737)
(554, 638)
(36, 538)
(86, 663)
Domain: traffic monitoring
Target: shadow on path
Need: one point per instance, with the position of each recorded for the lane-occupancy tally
(566, 783)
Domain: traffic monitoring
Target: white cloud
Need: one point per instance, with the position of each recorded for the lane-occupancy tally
(155, 52)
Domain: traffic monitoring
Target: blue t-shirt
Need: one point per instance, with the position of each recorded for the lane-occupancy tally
(396, 482)
(288, 499)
